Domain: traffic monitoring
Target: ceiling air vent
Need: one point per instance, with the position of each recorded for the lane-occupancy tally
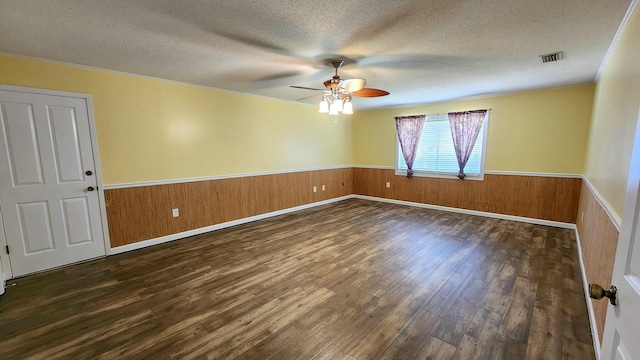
(556, 56)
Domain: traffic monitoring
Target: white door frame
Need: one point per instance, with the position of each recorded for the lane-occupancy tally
(4, 257)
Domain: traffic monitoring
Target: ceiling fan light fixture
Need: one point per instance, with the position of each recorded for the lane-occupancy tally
(338, 93)
(333, 109)
(324, 106)
(347, 107)
(339, 104)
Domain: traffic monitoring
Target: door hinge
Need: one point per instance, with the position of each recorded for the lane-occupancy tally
(7, 247)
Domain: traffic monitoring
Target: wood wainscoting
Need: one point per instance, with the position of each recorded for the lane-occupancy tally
(538, 197)
(598, 240)
(144, 212)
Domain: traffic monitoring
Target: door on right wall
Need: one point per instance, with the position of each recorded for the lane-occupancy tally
(622, 325)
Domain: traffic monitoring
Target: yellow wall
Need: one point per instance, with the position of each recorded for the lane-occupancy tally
(615, 116)
(156, 130)
(542, 131)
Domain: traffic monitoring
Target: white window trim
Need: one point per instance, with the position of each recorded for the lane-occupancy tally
(447, 175)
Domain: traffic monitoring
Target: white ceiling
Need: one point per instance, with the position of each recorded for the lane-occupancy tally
(419, 51)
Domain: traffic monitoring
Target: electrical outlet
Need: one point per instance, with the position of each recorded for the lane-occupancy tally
(323, 188)
(388, 184)
(315, 189)
(175, 212)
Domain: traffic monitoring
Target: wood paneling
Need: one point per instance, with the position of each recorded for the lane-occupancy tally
(538, 197)
(140, 213)
(354, 279)
(599, 240)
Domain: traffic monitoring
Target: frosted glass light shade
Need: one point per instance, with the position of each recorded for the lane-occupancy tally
(324, 106)
(347, 108)
(338, 104)
(333, 109)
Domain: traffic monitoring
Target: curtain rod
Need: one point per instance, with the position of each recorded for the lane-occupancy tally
(489, 109)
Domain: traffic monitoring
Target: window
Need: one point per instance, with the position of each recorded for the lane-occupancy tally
(436, 156)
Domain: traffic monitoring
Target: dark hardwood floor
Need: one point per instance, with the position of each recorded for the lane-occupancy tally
(350, 280)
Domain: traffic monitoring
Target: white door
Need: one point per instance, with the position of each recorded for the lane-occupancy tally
(622, 326)
(50, 209)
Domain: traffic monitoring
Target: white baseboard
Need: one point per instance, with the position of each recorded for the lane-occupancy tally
(184, 234)
(181, 235)
(472, 212)
(585, 284)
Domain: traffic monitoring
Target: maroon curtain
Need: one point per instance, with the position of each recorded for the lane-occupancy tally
(409, 129)
(465, 127)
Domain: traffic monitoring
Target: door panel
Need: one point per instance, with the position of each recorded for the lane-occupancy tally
(632, 272)
(35, 223)
(21, 144)
(62, 122)
(50, 219)
(76, 220)
(621, 352)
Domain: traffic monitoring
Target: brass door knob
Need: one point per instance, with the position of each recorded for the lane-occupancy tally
(597, 292)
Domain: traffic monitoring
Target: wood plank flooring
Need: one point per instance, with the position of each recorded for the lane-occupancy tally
(350, 280)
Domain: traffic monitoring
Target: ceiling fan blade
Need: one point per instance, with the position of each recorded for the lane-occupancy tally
(370, 92)
(310, 97)
(353, 85)
(278, 76)
(305, 88)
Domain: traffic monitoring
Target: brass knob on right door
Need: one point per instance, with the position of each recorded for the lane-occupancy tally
(598, 292)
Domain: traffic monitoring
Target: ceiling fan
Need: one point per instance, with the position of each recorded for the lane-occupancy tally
(338, 93)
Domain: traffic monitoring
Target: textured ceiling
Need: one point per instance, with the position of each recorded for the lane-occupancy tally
(419, 51)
